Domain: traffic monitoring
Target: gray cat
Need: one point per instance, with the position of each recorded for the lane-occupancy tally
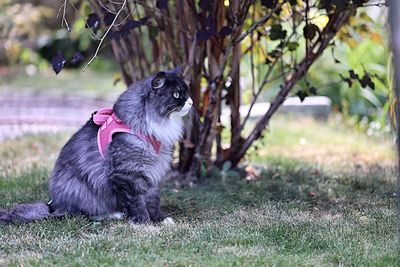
(126, 180)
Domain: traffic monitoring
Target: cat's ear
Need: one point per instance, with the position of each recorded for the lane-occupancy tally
(178, 71)
(158, 80)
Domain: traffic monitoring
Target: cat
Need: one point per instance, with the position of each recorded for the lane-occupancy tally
(126, 181)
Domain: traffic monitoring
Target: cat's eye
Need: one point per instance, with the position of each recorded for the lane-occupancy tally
(176, 95)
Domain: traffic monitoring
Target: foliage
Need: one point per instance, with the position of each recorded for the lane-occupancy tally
(339, 75)
(280, 40)
(21, 25)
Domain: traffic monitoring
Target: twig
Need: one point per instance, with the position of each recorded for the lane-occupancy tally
(191, 57)
(255, 96)
(329, 33)
(188, 34)
(105, 35)
(117, 3)
(127, 16)
(252, 55)
(265, 81)
(63, 20)
(258, 23)
(90, 29)
(110, 11)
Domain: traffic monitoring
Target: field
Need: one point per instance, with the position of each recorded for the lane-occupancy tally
(324, 196)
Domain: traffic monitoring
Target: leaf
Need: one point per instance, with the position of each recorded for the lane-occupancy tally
(340, 4)
(353, 75)
(210, 26)
(367, 81)
(116, 78)
(312, 194)
(144, 20)
(277, 33)
(364, 16)
(348, 80)
(269, 3)
(132, 24)
(252, 173)
(58, 62)
(302, 95)
(333, 54)
(206, 5)
(93, 21)
(108, 18)
(376, 37)
(203, 35)
(162, 4)
(275, 53)
(259, 35)
(225, 31)
(310, 31)
(77, 57)
(359, 2)
(292, 46)
(312, 90)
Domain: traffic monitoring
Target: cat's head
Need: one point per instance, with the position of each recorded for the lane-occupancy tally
(168, 97)
(156, 105)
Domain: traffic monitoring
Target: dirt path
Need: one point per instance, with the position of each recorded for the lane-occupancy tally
(35, 113)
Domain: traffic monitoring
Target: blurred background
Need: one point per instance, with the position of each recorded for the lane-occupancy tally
(31, 33)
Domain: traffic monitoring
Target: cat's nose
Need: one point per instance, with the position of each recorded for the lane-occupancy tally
(190, 101)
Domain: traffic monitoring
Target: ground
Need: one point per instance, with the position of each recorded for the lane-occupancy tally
(324, 196)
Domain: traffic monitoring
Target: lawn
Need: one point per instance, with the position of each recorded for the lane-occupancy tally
(324, 196)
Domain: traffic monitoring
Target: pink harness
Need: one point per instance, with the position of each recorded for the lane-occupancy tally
(110, 125)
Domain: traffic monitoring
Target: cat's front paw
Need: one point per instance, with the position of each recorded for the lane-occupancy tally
(139, 220)
(168, 221)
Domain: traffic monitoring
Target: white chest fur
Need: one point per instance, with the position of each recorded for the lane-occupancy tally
(168, 132)
(159, 168)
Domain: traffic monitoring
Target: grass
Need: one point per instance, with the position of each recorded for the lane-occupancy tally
(324, 197)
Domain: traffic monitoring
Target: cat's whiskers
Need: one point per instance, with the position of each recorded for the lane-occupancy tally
(169, 113)
(196, 116)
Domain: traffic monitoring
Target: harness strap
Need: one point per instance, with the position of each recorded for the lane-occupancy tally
(110, 124)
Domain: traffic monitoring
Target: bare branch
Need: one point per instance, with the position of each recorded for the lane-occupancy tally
(258, 23)
(265, 81)
(63, 20)
(127, 16)
(114, 2)
(329, 33)
(155, 10)
(105, 35)
(77, 12)
(253, 79)
(255, 97)
(110, 11)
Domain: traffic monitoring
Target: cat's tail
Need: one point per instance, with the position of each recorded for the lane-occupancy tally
(25, 212)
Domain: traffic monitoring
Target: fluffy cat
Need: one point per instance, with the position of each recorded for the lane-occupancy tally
(126, 180)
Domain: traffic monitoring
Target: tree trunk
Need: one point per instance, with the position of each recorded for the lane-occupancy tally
(394, 13)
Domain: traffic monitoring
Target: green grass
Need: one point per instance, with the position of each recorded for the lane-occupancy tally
(328, 201)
